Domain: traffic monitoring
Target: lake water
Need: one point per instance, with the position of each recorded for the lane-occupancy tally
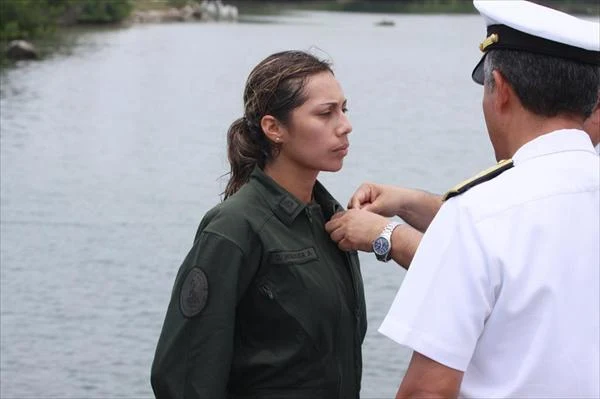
(112, 152)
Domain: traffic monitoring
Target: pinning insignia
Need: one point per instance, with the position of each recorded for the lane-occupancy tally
(479, 178)
(193, 293)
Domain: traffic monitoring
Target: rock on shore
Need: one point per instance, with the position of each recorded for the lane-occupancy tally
(21, 50)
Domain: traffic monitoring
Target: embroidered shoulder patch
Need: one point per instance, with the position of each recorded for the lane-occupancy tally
(298, 256)
(479, 178)
(193, 293)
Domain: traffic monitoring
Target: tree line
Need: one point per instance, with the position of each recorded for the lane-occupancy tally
(30, 19)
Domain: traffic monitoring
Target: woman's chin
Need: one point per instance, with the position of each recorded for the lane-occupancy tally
(336, 167)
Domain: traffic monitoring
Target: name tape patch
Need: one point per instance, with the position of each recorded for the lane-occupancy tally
(298, 256)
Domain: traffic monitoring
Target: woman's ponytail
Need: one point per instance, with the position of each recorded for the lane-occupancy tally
(245, 150)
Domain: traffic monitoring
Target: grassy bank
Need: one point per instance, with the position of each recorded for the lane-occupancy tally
(31, 19)
(577, 7)
(39, 21)
(389, 7)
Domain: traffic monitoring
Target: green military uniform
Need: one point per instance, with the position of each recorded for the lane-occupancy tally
(265, 305)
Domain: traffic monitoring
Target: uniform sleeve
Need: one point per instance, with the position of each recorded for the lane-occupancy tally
(194, 352)
(445, 298)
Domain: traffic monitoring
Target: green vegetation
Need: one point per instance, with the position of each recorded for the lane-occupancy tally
(145, 5)
(26, 19)
(37, 19)
(102, 11)
(400, 6)
(32, 19)
(178, 3)
(582, 7)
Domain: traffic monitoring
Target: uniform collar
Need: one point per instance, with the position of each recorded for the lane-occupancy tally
(285, 205)
(558, 141)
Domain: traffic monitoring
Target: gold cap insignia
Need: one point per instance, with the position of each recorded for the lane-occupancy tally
(491, 39)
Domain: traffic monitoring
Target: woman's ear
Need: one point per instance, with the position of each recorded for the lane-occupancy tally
(272, 128)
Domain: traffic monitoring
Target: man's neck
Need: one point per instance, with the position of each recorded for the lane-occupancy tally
(525, 127)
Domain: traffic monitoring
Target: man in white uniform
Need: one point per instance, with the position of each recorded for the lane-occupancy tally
(502, 298)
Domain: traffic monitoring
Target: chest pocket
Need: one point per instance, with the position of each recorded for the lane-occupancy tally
(296, 281)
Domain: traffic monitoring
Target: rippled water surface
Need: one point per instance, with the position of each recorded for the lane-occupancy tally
(111, 154)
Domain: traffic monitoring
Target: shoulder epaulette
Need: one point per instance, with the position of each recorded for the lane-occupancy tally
(479, 178)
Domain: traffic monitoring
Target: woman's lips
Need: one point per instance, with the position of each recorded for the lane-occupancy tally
(342, 150)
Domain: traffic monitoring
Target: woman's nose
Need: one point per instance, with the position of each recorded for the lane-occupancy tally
(345, 125)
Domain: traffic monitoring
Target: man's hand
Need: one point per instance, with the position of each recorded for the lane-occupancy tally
(415, 207)
(382, 199)
(355, 229)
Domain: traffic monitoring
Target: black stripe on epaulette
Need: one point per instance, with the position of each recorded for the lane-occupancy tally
(481, 177)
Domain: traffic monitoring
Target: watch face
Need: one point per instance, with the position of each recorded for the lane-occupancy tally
(381, 246)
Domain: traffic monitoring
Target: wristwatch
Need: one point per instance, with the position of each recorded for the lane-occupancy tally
(382, 246)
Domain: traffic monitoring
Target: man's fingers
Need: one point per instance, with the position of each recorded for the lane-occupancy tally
(334, 223)
(354, 202)
(361, 196)
(337, 215)
(337, 235)
(345, 245)
(369, 207)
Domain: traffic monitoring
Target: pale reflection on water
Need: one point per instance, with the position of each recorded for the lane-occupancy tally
(111, 155)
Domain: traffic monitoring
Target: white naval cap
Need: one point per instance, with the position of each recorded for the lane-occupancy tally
(526, 26)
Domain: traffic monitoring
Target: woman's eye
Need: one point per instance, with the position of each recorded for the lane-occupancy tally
(344, 110)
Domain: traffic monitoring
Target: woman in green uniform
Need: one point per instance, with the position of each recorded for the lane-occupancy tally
(265, 305)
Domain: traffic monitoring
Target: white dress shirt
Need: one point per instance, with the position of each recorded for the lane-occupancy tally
(505, 285)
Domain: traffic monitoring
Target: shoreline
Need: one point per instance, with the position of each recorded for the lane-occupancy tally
(585, 8)
(163, 11)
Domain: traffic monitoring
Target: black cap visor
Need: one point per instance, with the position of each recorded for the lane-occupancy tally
(477, 74)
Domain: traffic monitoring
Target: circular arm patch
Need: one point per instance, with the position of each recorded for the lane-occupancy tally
(193, 293)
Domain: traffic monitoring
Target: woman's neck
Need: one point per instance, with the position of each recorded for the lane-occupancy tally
(299, 183)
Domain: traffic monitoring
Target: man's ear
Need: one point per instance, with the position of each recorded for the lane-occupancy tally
(505, 95)
(595, 116)
(272, 128)
(592, 124)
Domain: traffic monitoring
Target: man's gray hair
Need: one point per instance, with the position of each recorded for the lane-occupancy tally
(545, 85)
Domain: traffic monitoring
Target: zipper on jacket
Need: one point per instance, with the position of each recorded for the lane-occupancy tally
(354, 279)
(317, 242)
(357, 351)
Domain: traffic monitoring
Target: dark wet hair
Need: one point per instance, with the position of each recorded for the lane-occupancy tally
(545, 85)
(274, 87)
